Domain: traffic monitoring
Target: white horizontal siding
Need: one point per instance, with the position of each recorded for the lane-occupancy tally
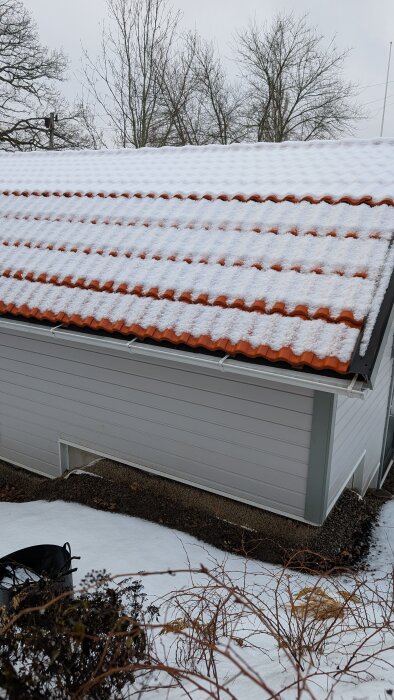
(359, 426)
(247, 438)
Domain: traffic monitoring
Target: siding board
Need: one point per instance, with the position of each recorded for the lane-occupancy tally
(234, 438)
(23, 459)
(93, 393)
(282, 469)
(125, 379)
(248, 439)
(359, 426)
(152, 369)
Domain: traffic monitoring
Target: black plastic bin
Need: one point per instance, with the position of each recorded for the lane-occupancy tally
(28, 566)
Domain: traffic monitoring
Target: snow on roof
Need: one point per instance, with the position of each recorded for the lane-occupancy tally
(280, 251)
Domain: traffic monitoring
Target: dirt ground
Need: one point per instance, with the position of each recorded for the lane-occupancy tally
(342, 541)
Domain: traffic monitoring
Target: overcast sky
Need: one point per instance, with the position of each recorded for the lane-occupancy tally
(365, 26)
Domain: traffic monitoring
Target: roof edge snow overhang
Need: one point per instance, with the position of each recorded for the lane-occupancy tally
(353, 387)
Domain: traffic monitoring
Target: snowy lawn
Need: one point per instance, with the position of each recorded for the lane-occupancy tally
(123, 544)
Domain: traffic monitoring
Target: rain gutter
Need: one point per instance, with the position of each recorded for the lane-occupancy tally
(354, 387)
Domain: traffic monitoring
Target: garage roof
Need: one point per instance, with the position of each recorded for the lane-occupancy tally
(275, 251)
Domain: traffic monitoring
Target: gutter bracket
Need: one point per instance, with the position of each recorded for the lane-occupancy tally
(350, 387)
(130, 344)
(222, 361)
(56, 328)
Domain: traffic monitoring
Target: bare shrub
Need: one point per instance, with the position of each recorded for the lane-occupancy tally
(224, 629)
(322, 634)
(63, 647)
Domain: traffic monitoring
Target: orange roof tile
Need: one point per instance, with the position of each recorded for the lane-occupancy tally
(288, 267)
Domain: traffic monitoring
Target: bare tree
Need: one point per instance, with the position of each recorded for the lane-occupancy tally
(125, 78)
(201, 104)
(156, 86)
(71, 130)
(221, 98)
(85, 124)
(294, 87)
(29, 74)
(180, 107)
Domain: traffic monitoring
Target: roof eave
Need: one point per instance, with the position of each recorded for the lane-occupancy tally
(352, 387)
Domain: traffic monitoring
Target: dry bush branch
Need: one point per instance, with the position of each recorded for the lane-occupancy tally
(224, 628)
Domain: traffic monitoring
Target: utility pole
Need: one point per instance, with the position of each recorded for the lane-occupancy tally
(50, 125)
(385, 91)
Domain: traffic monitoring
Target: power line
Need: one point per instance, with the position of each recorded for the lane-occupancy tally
(365, 87)
(379, 99)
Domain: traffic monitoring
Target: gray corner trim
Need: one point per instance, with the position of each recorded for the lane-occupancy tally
(382, 467)
(316, 498)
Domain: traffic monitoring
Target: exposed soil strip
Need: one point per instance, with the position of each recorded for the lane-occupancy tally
(342, 542)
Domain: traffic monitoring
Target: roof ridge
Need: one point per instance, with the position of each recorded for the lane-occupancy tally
(239, 146)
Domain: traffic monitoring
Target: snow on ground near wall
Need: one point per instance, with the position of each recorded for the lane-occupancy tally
(123, 544)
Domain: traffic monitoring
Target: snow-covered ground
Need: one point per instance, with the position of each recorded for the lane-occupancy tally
(123, 544)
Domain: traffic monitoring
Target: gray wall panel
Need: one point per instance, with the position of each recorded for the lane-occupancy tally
(99, 358)
(69, 384)
(359, 428)
(248, 439)
(25, 459)
(137, 375)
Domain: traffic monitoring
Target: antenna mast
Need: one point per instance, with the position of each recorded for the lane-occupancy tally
(385, 91)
